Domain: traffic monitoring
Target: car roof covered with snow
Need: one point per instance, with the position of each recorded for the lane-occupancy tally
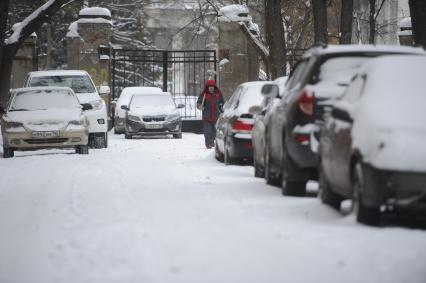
(52, 73)
(344, 49)
(140, 90)
(23, 89)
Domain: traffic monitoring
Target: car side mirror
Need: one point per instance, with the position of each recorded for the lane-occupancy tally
(181, 106)
(86, 106)
(255, 110)
(341, 115)
(104, 90)
(270, 90)
(124, 107)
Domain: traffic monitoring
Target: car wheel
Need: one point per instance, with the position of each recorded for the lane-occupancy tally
(259, 172)
(177, 136)
(227, 159)
(217, 154)
(294, 188)
(117, 132)
(82, 149)
(369, 215)
(127, 136)
(8, 152)
(100, 141)
(325, 193)
(270, 177)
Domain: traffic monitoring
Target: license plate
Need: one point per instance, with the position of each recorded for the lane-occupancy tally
(50, 134)
(153, 126)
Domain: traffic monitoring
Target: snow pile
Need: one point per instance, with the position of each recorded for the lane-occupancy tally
(95, 12)
(73, 30)
(234, 13)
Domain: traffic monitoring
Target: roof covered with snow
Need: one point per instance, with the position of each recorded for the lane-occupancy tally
(58, 73)
(96, 12)
(234, 13)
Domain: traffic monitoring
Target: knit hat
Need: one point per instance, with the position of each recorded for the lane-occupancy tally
(211, 83)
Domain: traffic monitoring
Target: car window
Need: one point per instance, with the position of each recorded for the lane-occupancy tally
(44, 99)
(140, 101)
(354, 90)
(79, 84)
(234, 97)
(340, 69)
(296, 75)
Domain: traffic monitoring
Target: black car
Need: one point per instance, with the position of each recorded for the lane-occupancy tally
(372, 145)
(234, 126)
(321, 76)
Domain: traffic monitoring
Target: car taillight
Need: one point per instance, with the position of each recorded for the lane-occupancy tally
(307, 102)
(242, 126)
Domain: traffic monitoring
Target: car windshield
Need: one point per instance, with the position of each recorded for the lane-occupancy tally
(139, 101)
(341, 68)
(79, 84)
(43, 100)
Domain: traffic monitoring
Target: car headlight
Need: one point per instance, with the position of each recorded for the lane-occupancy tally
(79, 122)
(97, 104)
(11, 124)
(134, 118)
(173, 117)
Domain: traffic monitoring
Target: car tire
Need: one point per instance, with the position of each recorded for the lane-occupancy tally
(177, 136)
(217, 154)
(227, 159)
(100, 141)
(270, 178)
(259, 172)
(368, 215)
(294, 188)
(117, 132)
(127, 136)
(8, 152)
(326, 195)
(82, 149)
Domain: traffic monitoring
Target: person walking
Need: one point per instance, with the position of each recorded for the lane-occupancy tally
(210, 101)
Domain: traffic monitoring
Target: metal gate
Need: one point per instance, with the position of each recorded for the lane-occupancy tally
(182, 73)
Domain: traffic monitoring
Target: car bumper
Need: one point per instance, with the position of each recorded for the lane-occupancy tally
(98, 121)
(24, 140)
(240, 147)
(143, 129)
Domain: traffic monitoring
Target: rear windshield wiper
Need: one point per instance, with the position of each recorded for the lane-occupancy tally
(19, 109)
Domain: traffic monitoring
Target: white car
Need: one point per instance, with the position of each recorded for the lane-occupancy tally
(82, 84)
(152, 115)
(44, 117)
(124, 99)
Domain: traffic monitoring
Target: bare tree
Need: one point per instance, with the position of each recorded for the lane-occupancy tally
(12, 43)
(320, 20)
(4, 10)
(418, 19)
(275, 38)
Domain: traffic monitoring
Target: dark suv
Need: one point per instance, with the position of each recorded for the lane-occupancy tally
(321, 76)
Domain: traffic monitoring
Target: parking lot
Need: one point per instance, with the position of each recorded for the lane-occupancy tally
(164, 210)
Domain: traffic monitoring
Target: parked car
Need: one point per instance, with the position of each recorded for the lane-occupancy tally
(152, 114)
(44, 117)
(124, 99)
(321, 76)
(372, 146)
(260, 128)
(233, 128)
(81, 83)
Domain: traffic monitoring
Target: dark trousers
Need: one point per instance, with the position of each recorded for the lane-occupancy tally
(209, 132)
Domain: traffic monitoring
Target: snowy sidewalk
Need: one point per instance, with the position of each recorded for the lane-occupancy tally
(164, 210)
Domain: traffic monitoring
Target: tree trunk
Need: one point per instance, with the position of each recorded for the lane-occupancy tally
(346, 20)
(4, 9)
(319, 8)
(9, 52)
(275, 38)
(372, 22)
(418, 19)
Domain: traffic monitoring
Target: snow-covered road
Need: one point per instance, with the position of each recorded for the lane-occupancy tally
(164, 210)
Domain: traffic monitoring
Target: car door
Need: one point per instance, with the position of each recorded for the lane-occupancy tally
(340, 150)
